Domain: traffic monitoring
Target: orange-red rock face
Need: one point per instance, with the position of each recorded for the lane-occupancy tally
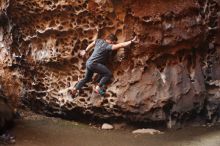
(166, 76)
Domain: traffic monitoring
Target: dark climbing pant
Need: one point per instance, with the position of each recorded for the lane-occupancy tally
(104, 74)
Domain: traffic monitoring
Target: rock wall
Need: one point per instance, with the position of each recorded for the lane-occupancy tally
(171, 75)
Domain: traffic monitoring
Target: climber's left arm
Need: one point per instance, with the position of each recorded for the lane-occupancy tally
(124, 44)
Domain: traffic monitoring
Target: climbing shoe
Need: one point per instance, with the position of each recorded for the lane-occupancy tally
(100, 91)
(73, 93)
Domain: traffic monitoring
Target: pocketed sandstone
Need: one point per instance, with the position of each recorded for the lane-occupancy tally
(170, 74)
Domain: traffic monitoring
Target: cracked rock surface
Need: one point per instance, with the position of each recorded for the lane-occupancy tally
(172, 74)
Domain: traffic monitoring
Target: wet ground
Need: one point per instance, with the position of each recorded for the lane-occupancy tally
(57, 132)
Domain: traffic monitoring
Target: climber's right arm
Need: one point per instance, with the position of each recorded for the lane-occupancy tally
(88, 48)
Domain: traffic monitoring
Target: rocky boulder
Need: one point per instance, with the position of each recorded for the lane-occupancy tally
(171, 75)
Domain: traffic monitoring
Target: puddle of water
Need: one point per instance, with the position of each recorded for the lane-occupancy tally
(57, 132)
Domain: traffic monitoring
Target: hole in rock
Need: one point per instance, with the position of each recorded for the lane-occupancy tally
(82, 100)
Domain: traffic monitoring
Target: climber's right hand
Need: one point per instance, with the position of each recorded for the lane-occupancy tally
(82, 53)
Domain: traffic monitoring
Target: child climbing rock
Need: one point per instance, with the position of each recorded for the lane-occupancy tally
(97, 61)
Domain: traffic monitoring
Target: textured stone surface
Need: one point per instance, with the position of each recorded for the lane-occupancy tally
(171, 74)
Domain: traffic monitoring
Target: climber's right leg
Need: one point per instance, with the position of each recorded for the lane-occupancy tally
(81, 83)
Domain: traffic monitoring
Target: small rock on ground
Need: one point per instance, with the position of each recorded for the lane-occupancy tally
(107, 126)
(147, 131)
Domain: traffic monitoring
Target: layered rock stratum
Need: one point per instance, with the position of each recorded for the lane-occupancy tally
(172, 75)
